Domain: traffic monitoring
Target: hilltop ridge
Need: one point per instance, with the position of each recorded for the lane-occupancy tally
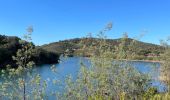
(74, 46)
(49, 53)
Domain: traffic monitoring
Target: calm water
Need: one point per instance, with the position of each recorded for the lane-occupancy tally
(71, 66)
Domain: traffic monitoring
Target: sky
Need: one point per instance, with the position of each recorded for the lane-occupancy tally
(55, 20)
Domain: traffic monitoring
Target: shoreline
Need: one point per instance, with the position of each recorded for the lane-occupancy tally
(153, 61)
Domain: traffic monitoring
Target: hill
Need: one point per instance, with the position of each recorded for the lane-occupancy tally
(9, 46)
(49, 53)
(73, 47)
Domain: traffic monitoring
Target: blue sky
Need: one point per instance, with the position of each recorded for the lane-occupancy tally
(55, 20)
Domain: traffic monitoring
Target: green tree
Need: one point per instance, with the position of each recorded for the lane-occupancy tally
(21, 83)
(165, 65)
(106, 78)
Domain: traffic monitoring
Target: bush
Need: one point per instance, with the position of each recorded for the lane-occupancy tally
(105, 78)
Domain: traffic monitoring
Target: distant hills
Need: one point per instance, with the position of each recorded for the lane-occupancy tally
(9, 46)
(73, 46)
(49, 53)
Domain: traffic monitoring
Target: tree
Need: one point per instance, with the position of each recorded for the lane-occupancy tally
(105, 80)
(21, 83)
(165, 65)
(2, 37)
(23, 58)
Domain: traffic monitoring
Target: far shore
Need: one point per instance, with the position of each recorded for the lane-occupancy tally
(153, 61)
(156, 61)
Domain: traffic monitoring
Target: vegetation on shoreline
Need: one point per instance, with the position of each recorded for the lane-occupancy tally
(22, 83)
(47, 54)
(75, 47)
(10, 45)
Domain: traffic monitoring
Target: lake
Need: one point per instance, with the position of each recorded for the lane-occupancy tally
(71, 66)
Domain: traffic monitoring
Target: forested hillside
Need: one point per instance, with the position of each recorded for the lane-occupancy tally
(9, 45)
(49, 53)
(74, 47)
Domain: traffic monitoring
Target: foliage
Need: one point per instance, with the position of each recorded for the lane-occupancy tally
(9, 46)
(75, 46)
(107, 78)
(165, 66)
(150, 93)
(40, 56)
(21, 83)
